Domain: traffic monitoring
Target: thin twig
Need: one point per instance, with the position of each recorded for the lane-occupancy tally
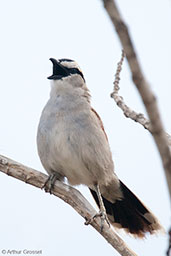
(68, 194)
(143, 87)
(128, 112)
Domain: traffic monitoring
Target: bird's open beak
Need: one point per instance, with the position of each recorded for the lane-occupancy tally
(59, 71)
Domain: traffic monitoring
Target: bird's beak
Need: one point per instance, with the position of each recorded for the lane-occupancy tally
(59, 71)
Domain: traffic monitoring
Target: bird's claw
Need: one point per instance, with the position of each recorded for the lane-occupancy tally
(48, 186)
(103, 217)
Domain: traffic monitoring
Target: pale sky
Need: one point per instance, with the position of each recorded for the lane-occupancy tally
(31, 33)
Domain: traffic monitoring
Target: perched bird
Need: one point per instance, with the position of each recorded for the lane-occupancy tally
(72, 143)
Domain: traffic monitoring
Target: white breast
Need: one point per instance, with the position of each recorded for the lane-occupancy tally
(71, 142)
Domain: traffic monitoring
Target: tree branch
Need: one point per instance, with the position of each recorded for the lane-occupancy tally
(128, 112)
(68, 194)
(149, 100)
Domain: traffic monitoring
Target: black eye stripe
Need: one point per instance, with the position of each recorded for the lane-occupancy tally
(75, 71)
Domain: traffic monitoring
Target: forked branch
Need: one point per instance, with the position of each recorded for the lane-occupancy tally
(148, 97)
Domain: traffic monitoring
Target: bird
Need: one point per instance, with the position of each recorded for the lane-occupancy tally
(72, 143)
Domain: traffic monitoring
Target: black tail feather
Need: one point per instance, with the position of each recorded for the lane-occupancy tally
(129, 213)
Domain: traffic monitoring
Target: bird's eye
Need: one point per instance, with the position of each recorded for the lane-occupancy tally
(76, 71)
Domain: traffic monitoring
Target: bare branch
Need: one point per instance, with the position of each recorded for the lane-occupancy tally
(68, 194)
(143, 87)
(128, 112)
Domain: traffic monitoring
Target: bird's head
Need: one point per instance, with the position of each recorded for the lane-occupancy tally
(67, 75)
(64, 69)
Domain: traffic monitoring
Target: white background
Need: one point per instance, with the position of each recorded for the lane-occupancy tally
(31, 33)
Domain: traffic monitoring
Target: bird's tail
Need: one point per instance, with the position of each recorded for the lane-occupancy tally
(130, 214)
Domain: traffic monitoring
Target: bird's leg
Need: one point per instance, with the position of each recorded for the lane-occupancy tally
(50, 182)
(102, 213)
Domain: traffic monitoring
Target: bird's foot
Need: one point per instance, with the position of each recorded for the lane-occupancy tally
(103, 217)
(48, 186)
